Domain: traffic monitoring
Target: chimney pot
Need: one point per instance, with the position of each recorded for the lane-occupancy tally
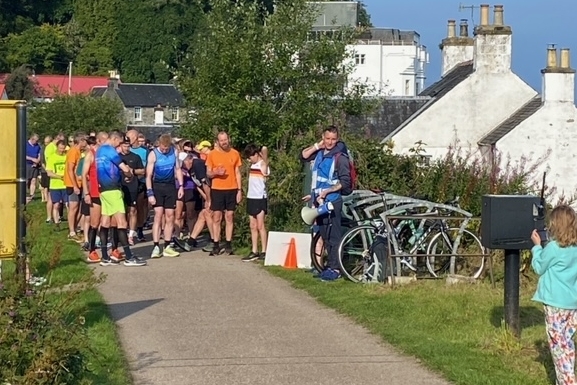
(565, 58)
(498, 15)
(464, 28)
(484, 14)
(551, 57)
(451, 28)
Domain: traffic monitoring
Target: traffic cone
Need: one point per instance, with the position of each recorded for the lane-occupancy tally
(291, 256)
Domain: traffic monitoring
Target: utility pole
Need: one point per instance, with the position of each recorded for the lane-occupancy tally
(70, 79)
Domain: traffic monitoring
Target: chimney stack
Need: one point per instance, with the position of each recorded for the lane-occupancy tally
(551, 56)
(498, 15)
(558, 80)
(113, 80)
(451, 29)
(464, 28)
(484, 14)
(456, 49)
(492, 53)
(565, 58)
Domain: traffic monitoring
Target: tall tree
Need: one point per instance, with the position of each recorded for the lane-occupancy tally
(19, 84)
(154, 35)
(265, 81)
(42, 47)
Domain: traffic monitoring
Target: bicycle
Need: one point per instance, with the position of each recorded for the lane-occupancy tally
(432, 237)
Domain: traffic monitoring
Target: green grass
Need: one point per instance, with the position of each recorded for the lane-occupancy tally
(456, 331)
(62, 262)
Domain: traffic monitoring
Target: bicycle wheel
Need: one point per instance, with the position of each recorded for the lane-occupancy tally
(442, 243)
(318, 252)
(354, 253)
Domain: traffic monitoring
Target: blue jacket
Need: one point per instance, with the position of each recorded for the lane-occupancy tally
(557, 270)
(326, 172)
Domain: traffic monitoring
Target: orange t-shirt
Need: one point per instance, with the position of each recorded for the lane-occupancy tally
(229, 161)
(72, 156)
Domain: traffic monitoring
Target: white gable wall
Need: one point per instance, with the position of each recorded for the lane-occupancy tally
(490, 95)
(551, 131)
(466, 113)
(552, 128)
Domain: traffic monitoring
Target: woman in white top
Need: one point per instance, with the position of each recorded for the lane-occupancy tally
(256, 198)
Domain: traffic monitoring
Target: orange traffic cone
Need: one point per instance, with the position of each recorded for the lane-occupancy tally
(291, 256)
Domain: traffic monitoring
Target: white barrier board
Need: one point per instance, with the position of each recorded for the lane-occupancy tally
(278, 245)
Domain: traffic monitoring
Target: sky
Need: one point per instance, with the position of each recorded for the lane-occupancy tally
(535, 24)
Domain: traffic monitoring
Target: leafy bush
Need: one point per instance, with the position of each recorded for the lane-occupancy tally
(42, 333)
(460, 173)
(41, 341)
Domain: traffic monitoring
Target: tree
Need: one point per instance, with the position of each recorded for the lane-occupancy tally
(155, 35)
(262, 78)
(42, 47)
(19, 85)
(76, 113)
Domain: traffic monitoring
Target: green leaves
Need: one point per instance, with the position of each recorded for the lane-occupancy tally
(42, 47)
(79, 113)
(260, 76)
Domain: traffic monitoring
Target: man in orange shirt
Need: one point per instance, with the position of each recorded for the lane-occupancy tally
(73, 183)
(223, 167)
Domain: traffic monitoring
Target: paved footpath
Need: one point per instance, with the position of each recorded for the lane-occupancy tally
(217, 320)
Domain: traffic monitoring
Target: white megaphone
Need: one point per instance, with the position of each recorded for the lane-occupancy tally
(309, 214)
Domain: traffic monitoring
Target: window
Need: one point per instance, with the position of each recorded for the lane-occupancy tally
(174, 113)
(360, 58)
(407, 87)
(138, 114)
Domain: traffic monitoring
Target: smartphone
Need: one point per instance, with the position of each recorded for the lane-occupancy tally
(543, 235)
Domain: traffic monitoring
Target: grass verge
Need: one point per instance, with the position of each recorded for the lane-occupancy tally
(456, 331)
(62, 262)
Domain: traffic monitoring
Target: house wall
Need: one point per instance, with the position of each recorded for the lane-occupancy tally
(550, 134)
(552, 129)
(393, 70)
(491, 94)
(465, 114)
(148, 116)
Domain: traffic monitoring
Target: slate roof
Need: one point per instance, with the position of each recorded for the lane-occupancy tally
(513, 121)
(145, 95)
(437, 90)
(390, 114)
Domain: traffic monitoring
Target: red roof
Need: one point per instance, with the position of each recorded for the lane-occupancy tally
(49, 85)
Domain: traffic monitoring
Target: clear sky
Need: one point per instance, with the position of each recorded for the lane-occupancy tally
(535, 24)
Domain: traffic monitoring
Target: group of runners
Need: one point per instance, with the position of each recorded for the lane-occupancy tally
(108, 183)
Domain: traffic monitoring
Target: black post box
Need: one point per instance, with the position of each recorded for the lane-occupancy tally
(507, 221)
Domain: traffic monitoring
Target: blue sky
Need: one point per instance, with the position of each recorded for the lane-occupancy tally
(535, 24)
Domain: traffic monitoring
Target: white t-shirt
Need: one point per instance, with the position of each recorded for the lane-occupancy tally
(257, 181)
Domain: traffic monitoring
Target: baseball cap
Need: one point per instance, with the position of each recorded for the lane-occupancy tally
(203, 144)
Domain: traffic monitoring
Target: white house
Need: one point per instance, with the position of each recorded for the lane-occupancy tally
(471, 98)
(390, 62)
(545, 128)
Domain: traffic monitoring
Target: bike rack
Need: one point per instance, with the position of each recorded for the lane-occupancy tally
(394, 249)
(363, 205)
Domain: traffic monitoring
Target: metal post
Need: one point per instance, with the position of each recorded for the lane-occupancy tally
(511, 301)
(21, 190)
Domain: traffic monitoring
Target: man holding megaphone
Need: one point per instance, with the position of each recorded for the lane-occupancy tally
(330, 175)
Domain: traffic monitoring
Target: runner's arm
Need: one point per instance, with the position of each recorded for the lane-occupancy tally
(150, 169)
(139, 169)
(70, 166)
(85, 170)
